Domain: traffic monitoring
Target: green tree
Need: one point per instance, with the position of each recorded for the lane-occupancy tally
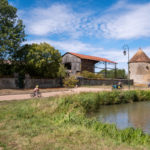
(62, 71)
(111, 73)
(87, 74)
(11, 31)
(39, 60)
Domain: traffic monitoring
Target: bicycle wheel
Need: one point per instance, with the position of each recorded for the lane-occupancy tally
(32, 94)
(39, 94)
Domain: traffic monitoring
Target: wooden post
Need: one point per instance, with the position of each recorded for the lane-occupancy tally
(105, 69)
(115, 70)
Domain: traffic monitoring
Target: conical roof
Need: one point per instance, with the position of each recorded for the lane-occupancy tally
(140, 56)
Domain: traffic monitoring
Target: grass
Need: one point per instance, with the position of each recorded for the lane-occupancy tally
(61, 123)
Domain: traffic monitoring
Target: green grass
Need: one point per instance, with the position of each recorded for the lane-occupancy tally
(61, 123)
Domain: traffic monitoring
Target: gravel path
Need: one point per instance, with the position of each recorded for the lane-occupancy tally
(50, 94)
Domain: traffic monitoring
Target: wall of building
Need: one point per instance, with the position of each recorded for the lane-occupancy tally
(140, 72)
(87, 65)
(75, 62)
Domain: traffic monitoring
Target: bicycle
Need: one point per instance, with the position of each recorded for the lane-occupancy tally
(34, 94)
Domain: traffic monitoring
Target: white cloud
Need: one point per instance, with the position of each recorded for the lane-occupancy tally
(121, 21)
(70, 46)
(87, 49)
(55, 19)
(84, 48)
(12, 3)
(133, 21)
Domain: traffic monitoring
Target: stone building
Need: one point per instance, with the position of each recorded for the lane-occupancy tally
(139, 66)
(77, 62)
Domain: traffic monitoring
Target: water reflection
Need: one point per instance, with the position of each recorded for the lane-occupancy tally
(135, 115)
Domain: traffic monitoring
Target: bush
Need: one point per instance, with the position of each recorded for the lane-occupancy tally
(87, 74)
(70, 82)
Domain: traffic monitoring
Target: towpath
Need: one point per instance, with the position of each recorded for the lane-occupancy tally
(53, 93)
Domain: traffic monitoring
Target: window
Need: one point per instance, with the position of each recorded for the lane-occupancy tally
(68, 66)
(147, 67)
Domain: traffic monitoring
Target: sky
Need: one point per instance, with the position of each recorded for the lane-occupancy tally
(92, 27)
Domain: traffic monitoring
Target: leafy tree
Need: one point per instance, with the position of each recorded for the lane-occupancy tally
(11, 31)
(111, 73)
(40, 60)
(62, 71)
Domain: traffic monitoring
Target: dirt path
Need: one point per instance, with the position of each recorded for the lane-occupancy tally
(53, 93)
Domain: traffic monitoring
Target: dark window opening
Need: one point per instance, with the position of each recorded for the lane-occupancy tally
(147, 67)
(68, 66)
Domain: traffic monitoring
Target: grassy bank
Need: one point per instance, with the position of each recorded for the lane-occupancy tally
(61, 123)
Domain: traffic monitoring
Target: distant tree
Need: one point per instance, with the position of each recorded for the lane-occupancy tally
(11, 31)
(111, 73)
(90, 75)
(40, 60)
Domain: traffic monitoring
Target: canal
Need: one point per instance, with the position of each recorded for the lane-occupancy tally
(135, 115)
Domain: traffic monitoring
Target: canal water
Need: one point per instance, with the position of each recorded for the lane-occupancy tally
(135, 115)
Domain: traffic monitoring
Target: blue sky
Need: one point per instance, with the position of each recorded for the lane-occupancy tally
(91, 27)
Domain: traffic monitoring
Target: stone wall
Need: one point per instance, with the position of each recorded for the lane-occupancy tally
(43, 83)
(140, 72)
(8, 83)
(12, 83)
(84, 81)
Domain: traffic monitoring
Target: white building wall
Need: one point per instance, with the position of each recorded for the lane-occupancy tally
(140, 72)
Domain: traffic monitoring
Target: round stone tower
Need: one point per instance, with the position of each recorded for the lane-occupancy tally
(139, 66)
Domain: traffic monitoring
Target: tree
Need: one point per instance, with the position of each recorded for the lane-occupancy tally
(111, 73)
(91, 75)
(61, 71)
(40, 60)
(11, 31)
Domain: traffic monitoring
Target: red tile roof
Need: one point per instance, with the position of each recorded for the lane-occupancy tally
(92, 58)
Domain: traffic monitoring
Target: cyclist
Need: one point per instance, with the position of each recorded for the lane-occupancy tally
(119, 84)
(36, 90)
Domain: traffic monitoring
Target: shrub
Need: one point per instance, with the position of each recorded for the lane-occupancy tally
(70, 82)
(87, 74)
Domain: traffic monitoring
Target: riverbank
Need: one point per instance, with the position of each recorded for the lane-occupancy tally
(22, 94)
(61, 123)
(4, 92)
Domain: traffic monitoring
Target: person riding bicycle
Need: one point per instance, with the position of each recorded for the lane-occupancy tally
(119, 84)
(36, 90)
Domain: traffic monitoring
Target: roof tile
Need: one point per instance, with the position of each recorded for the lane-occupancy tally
(92, 58)
(140, 56)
